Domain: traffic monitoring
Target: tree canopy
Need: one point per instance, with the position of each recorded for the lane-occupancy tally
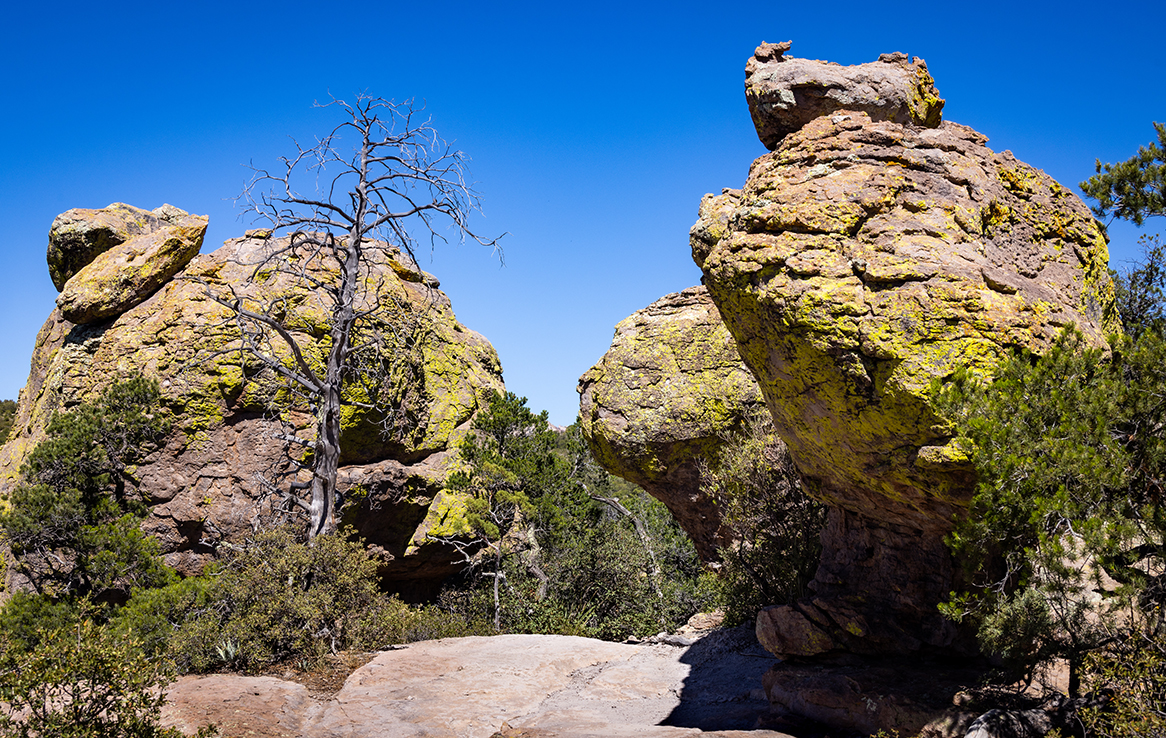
(73, 521)
(1064, 543)
(1133, 189)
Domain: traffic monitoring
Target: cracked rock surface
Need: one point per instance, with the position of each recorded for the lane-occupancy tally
(862, 259)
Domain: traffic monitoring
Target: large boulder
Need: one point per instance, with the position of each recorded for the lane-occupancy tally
(79, 235)
(216, 477)
(520, 686)
(129, 272)
(662, 399)
(863, 259)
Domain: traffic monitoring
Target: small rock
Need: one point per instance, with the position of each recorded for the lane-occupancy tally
(785, 93)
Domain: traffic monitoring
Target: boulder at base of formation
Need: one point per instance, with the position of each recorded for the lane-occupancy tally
(510, 685)
(547, 686)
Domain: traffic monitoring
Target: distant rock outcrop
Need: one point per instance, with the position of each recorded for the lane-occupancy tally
(212, 480)
(662, 398)
(868, 254)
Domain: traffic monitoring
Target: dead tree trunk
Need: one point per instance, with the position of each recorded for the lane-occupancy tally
(398, 174)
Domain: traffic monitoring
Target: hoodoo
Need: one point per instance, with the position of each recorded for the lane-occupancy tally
(875, 249)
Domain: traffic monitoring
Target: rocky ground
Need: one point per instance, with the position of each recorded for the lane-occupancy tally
(509, 685)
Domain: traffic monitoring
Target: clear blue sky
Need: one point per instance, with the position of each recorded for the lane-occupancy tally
(594, 128)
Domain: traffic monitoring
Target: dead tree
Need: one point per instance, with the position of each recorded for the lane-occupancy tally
(380, 180)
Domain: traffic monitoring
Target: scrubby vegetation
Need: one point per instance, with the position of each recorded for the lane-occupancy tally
(82, 680)
(1064, 544)
(7, 415)
(777, 526)
(552, 544)
(556, 545)
(72, 524)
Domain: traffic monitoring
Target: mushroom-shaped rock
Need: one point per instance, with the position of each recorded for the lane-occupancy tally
(129, 272)
(218, 473)
(785, 93)
(662, 398)
(863, 259)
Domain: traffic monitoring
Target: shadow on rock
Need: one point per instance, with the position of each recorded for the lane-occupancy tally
(723, 689)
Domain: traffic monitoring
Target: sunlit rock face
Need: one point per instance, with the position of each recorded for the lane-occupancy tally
(662, 399)
(217, 477)
(864, 257)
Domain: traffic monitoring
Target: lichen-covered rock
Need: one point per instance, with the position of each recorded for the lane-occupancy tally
(662, 398)
(785, 93)
(863, 259)
(215, 477)
(77, 236)
(129, 272)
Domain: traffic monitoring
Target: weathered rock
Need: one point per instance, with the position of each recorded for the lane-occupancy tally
(1055, 713)
(257, 707)
(512, 685)
(662, 398)
(213, 478)
(77, 236)
(785, 93)
(863, 259)
(125, 274)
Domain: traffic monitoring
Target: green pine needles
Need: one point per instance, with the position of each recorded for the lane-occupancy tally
(72, 523)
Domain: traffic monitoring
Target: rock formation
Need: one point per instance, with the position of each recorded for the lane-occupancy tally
(212, 480)
(663, 398)
(868, 254)
(785, 93)
(79, 235)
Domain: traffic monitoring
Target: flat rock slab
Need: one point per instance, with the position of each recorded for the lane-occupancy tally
(510, 685)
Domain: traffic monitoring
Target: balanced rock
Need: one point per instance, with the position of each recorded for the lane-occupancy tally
(662, 398)
(785, 93)
(77, 236)
(863, 259)
(129, 272)
(217, 476)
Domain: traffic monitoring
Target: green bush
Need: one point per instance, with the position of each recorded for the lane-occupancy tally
(557, 544)
(1133, 674)
(1065, 536)
(7, 415)
(82, 681)
(274, 598)
(152, 615)
(72, 524)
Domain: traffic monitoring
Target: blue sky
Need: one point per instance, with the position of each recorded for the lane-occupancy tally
(593, 128)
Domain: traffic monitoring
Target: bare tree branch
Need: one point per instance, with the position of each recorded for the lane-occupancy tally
(339, 211)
